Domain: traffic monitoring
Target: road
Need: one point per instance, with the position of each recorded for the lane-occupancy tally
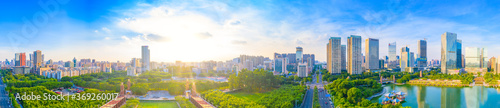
(321, 94)
(4, 98)
(324, 101)
(308, 103)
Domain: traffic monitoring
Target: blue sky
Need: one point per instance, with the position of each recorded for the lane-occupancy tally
(196, 30)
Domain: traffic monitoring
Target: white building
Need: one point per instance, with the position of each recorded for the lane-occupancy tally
(302, 70)
(131, 71)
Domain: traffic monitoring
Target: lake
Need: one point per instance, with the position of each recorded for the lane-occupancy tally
(446, 97)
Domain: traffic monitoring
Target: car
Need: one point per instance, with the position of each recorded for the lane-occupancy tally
(326, 102)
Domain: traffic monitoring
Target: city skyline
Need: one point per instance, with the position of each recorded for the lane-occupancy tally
(222, 30)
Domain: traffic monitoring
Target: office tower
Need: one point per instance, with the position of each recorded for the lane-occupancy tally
(69, 64)
(74, 62)
(372, 53)
(20, 59)
(279, 65)
(422, 52)
(302, 70)
(354, 56)
(405, 58)
(299, 55)
(343, 64)
(393, 60)
(448, 52)
(145, 58)
(381, 63)
(472, 57)
(333, 50)
(493, 64)
(484, 58)
(309, 59)
(412, 60)
(459, 54)
(37, 61)
(497, 70)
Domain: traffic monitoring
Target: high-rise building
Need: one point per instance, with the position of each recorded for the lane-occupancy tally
(459, 54)
(334, 51)
(279, 65)
(343, 64)
(145, 58)
(74, 62)
(422, 52)
(372, 53)
(449, 53)
(472, 57)
(484, 58)
(37, 61)
(20, 59)
(302, 70)
(299, 55)
(393, 60)
(354, 56)
(405, 58)
(381, 63)
(493, 64)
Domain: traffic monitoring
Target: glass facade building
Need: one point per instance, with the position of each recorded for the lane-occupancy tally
(448, 52)
(372, 53)
(393, 60)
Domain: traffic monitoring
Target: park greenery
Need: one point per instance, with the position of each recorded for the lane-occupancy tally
(352, 93)
(465, 78)
(252, 81)
(131, 103)
(223, 100)
(183, 102)
(286, 96)
(140, 85)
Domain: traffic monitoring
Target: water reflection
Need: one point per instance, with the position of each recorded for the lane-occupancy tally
(421, 97)
(450, 97)
(475, 96)
(447, 97)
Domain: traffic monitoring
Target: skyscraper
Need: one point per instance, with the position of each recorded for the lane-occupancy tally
(20, 59)
(145, 58)
(459, 54)
(299, 55)
(334, 55)
(448, 52)
(343, 64)
(484, 58)
(37, 61)
(354, 56)
(472, 57)
(372, 53)
(393, 60)
(405, 58)
(422, 52)
(74, 62)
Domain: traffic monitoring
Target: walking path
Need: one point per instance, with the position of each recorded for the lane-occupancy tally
(376, 95)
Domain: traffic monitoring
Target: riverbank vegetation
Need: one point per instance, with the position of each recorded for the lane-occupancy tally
(352, 93)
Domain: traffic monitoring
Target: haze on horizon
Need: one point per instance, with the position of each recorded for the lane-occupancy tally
(221, 30)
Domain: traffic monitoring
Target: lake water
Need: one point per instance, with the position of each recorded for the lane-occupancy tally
(447, 97)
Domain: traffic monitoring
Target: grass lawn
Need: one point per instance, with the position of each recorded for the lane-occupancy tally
(158, 104)
(247, 96)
